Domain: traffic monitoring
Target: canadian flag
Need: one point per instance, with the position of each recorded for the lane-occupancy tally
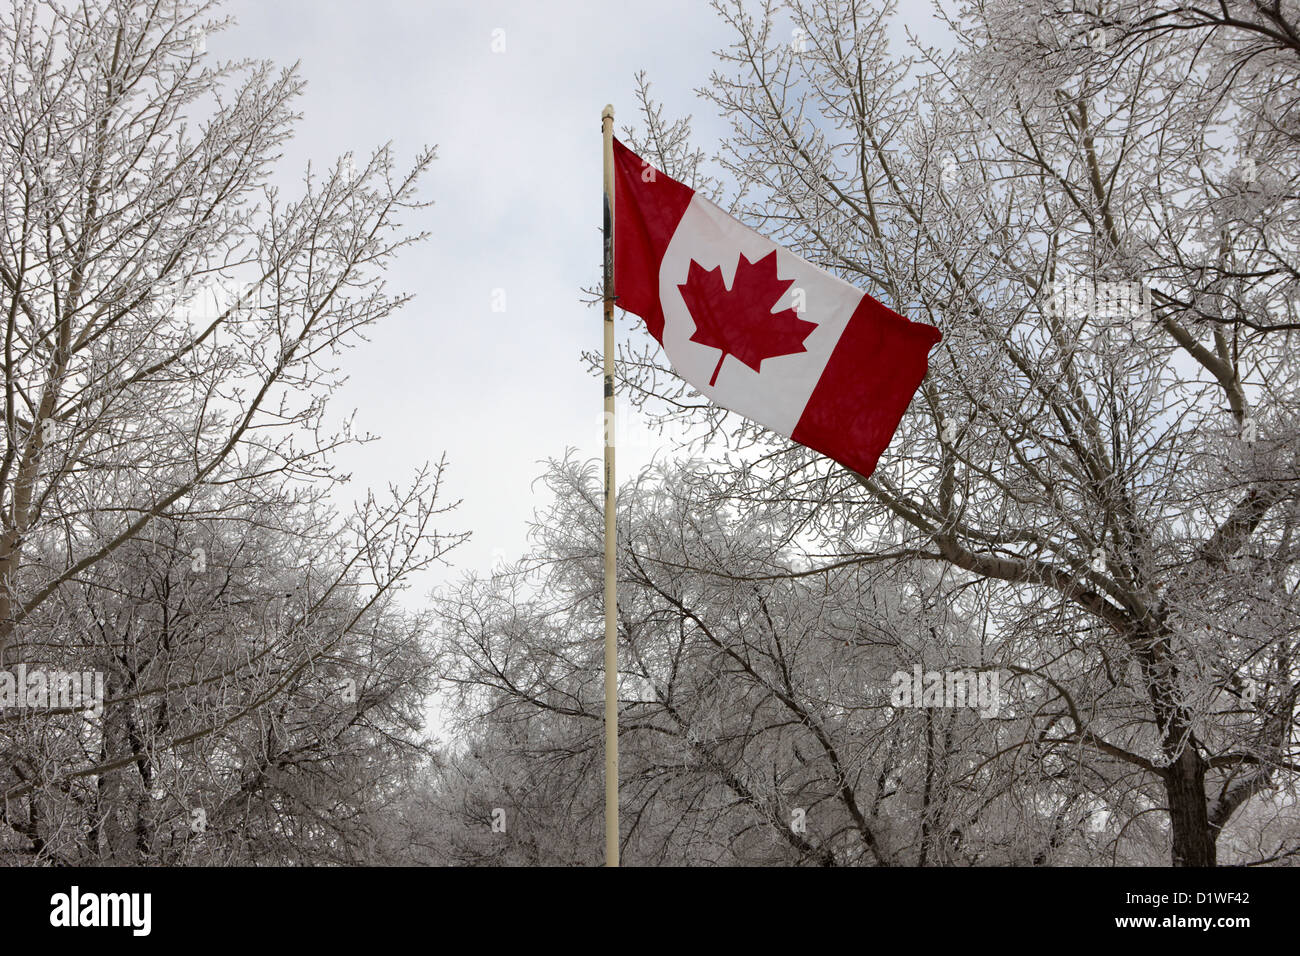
(756, 328)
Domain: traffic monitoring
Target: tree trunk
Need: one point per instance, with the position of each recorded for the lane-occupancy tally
(1189, 818)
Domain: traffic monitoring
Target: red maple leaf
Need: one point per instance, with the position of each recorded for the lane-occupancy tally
(740, 320)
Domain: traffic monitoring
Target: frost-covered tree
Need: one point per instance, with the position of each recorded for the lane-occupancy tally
(1097, 206)
(171, 320)
(756, 720)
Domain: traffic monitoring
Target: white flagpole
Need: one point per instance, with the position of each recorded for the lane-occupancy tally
(611, 580)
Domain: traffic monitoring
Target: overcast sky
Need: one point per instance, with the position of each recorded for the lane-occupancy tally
(517, 208)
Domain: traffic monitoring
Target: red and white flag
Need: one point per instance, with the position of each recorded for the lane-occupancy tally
(756, 328)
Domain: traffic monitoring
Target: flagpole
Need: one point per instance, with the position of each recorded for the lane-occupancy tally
(611, 580)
